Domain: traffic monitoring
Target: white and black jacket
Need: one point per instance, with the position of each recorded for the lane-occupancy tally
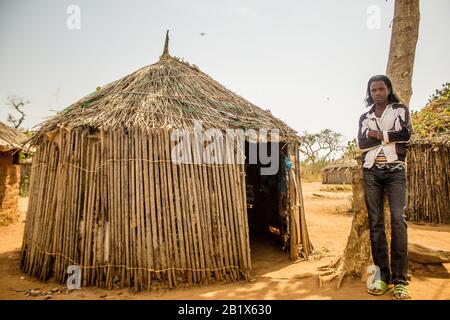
(395, 125)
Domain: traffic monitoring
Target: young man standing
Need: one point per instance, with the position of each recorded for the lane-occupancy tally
(383, 133)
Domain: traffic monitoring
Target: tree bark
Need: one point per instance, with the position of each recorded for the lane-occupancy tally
(405, 32)
(357, 256)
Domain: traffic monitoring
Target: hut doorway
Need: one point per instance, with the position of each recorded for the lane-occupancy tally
(264, 200)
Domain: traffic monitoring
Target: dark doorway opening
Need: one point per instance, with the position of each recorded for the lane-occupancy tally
(265, 202)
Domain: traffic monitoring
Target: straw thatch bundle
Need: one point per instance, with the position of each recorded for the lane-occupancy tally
(169, 93)
(428, 164)
(108, 198)
(338, 172)
(10, 138)
(10, 143)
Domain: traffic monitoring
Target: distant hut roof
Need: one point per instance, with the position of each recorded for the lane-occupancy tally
(431, 125)
(340, 164)
(10, 138)
(168, 93)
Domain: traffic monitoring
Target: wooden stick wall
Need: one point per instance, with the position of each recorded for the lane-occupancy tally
(428, 168)
(113, 203)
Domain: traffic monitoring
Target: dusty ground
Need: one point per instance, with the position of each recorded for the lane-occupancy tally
(277, 277)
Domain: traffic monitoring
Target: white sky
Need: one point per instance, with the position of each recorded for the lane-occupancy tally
(306, 61)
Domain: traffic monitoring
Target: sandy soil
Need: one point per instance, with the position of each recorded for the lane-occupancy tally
(276, 276)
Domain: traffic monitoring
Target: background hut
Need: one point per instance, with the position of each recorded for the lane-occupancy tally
(428, 164)
(339, 172)
(108, 197)
(10, 145)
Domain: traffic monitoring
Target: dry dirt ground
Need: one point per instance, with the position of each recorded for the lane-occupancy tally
(276, 276)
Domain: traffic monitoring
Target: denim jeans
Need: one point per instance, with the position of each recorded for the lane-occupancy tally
(393, 181)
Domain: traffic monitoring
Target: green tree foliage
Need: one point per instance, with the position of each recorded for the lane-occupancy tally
(351, 150)
(433, 120)
(441, 94)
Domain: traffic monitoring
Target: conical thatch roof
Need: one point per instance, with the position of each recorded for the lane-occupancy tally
(347, 163)
(10, 138)
(169, 93)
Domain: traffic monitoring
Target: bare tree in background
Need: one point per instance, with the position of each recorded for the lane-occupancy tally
(325, 142)
(405, 32)
(17, 103)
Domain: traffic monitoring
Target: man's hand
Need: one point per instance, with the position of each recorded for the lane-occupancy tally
(375, 134)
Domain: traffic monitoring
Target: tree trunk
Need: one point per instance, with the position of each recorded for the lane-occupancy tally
(405, 32)
(357, 256)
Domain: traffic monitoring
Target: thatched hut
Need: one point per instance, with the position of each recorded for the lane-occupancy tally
(10, 144)
(428, 164)
(109, 198)
(339, 172)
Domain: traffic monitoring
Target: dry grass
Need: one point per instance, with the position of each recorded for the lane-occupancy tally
(336, 188)
(311, 172)
(311, 177)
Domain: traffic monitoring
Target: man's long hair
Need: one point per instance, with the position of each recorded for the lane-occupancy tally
(392, 98)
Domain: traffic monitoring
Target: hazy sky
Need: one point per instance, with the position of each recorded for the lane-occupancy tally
(306, 61)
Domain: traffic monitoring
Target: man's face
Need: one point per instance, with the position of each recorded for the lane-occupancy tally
(379, 91)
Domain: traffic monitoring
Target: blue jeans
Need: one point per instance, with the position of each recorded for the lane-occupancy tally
(377, 181)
